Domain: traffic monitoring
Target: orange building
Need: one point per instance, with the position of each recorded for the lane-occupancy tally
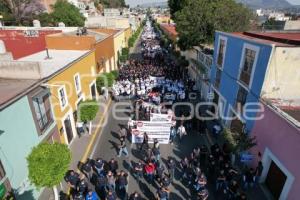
(170, 31)
(102, 42)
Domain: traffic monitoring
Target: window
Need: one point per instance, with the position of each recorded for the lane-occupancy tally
(218, 78)
(77, 83)
(221, 52)
(241, 98)
(62, 97)
(249, 58)
(43, 112)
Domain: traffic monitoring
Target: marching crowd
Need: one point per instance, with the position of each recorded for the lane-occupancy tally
(202, 166)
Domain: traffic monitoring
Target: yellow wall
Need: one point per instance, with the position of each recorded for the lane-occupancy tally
(282, 77)
(127, 34)
(119, 43)
(86, 68)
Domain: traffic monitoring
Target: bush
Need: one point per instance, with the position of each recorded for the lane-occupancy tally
(106, 80)
(88, 110)
(115, 74)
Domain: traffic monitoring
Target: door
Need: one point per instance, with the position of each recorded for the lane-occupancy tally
(93, 91)
(68, 129)
(275, 180)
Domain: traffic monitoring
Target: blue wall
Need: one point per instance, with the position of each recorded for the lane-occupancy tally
(18, 136)
(229, 85)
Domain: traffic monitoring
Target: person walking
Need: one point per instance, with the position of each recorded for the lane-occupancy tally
(91, 195)
(145, 141)
(87, 169)
(113, 166)
(181, 132)
(111, 181)
(172, 134)
(99, 166)
(123, 148)
(171, 168)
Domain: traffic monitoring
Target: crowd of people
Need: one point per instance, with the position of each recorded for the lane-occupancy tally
(151, 81)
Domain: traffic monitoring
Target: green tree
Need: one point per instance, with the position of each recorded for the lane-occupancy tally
(48, 164)
(198, 20)
(87, 112)
(21, 12)
(175, 5)
(65, 12)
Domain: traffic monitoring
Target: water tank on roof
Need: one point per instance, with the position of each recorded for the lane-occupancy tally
(2, 47)
(36, 23)
(61, 24)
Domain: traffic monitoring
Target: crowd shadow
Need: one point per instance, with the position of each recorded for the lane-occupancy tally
(146, 190)
(114, 146)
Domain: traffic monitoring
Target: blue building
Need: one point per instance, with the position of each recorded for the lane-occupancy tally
(237, 75)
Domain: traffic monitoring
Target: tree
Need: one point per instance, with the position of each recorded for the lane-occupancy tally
(87, 112)
(65, 12)
(48, 164)
(175, 5)
(198, 20)
(22, 11)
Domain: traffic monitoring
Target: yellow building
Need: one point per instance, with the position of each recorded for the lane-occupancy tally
(71, 77)
(119, 43)
(127, 34)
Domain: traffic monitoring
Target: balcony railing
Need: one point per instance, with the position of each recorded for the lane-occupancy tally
(45, 120)
(205, 59)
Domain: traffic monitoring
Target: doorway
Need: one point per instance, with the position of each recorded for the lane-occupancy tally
(68, 129)
(275, 180)
(93, 91)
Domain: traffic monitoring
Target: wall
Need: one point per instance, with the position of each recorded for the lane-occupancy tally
(283, 75)
(19, 131)
(283, 140)
(128, 34)
(20, 45)
(70, 42)
(105, 50)
(119, 43)
(229, 85)
(12, 69)
(85, 67)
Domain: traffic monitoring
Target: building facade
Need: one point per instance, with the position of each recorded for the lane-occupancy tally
(26, 121)
(279, 148)
(237, 75)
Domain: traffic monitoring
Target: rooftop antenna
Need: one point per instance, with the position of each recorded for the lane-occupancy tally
(48, 56)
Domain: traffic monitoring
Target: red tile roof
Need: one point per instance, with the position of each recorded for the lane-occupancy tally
(170, 28)
(277, 38)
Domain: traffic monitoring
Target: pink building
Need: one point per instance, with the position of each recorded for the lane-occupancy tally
(278, 137)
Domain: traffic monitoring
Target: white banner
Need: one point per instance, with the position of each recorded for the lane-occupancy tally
(156, 117)
(155, 130)
(156, 78)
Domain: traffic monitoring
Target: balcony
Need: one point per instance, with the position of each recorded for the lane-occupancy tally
(204, 59)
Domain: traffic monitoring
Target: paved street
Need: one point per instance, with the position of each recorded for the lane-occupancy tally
(105, 148)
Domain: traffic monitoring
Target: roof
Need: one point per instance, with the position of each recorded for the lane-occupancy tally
(58, 60)
(106, 31)
(170, 28)
(289, 109)
(276, 38)
(98, 36)
(10, 88)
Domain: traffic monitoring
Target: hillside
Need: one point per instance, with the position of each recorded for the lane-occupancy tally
(266, 3)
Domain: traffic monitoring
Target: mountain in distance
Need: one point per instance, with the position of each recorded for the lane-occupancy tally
(271, 4)
(163, 4)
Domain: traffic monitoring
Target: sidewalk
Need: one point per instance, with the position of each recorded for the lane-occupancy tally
(81, 147)
(257, 192)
